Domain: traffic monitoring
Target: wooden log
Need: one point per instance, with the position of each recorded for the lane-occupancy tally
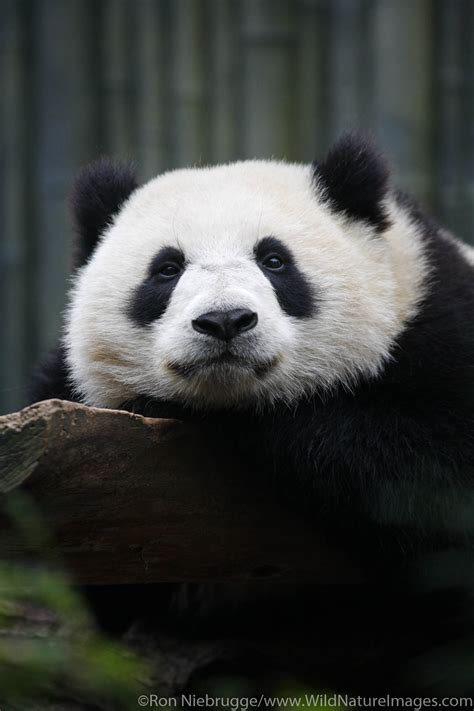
(134, 500)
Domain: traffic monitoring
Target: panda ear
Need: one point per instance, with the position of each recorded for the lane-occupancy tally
(99, 192)
(354, 179)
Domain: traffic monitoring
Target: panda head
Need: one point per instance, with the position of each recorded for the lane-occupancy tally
(237, 284)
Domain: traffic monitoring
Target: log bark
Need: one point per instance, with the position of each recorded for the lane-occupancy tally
(134, 500)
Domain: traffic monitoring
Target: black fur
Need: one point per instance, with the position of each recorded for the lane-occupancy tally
(99, 192)
(398, 452)
(150, 299)
(293, 290)
(387, 469)
(354, 180)
(51, 379)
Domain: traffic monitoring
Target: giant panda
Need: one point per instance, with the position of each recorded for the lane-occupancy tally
(315, 309)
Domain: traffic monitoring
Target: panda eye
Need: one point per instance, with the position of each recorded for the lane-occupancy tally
(169, 270)
(273, 262)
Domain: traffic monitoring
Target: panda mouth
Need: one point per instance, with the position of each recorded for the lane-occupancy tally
(224, 364)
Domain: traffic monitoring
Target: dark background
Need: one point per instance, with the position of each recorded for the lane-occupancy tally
(181, 82)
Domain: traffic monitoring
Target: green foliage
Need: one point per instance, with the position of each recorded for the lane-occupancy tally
(49, 646)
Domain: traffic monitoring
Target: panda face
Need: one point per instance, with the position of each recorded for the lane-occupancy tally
(233, 285)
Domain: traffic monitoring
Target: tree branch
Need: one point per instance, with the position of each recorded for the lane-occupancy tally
(132, 500)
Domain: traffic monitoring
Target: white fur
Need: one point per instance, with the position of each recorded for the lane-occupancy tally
(367, 289)
(466, 250)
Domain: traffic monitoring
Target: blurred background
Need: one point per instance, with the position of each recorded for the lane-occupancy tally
(169, 83)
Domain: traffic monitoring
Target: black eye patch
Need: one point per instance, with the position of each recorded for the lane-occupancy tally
(151, 298)
(292, 289)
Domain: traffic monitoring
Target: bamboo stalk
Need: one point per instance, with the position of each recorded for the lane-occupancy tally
(344, 105)
(402, 64)
(63, 129)
(224, 69)
(467, 121)
(15, 237)
(449, 77)
(190, 82)
(311, 115)
(154, 118)
(269, 55)
(118, 77)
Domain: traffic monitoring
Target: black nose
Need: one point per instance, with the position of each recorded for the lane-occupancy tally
(225, 325)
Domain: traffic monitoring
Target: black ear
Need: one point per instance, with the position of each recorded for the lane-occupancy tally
(99, 192)
(353, 179)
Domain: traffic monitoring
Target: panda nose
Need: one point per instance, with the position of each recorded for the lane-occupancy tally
(225, 325)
